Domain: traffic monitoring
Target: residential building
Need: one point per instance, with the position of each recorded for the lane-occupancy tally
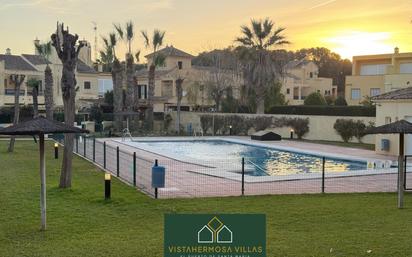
(33, 66)
(301, 79)
(373, 75)
(178, 64)
(390, 107)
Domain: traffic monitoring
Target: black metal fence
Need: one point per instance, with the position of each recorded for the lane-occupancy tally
(226, 177)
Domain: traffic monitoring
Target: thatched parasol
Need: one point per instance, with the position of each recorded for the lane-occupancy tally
(41, 126)
(400, 127)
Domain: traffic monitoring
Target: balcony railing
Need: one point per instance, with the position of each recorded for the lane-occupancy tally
(11, 91)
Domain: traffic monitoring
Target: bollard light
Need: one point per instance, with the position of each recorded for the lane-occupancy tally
(291, 133)
(107, 182)
(56, 151)
(230, 130)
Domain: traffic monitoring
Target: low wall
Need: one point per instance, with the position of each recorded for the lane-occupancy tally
(320, 127)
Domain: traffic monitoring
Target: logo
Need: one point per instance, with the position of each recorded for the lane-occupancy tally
(229, 235)
(215, 232)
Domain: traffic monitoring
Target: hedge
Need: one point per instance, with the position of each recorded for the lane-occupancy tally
(359, 111)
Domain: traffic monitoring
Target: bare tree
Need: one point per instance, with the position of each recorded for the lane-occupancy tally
(17, 80)
(68, 51)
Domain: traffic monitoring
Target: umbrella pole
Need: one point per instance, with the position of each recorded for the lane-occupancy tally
(43, 183)
(401, 174)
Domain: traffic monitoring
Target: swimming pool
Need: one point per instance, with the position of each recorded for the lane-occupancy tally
(259, 160)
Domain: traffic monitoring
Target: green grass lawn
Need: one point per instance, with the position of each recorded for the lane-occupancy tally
(80, 223)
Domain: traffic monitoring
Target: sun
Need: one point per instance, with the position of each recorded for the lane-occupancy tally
(353, 43)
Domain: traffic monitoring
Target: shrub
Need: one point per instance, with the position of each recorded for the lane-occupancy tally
(345, 128)
(330, 99)
(300, 126)
(359, 130)
(341, 101)
(325, 110)
(315, 99)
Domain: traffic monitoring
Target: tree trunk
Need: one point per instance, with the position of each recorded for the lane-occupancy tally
(130, 89)
(17, 81)
(179, 94)
(260, 106)
(151, 92)
(69, 117)
(35, 102)
(117, 76)
(48, 92)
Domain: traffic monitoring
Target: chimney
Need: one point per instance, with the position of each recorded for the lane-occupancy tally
(8, 51)
(396, 50)
(36, 42)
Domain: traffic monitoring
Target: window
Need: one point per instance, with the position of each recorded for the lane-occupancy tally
(142, 91)
(375, 91)
(373, 69)
(405, 68)
(288, 91)
(180, 65)
(87, 85)
(355, 94)
(388, 120)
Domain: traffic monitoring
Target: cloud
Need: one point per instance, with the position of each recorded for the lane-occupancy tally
(322, 4)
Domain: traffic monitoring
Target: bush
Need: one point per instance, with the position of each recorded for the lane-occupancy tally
(341, 101)
(348, 129)
(358, 111)
(330, 99)
(300, 126)
(315, 99)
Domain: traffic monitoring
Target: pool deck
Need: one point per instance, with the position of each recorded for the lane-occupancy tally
(186, 179)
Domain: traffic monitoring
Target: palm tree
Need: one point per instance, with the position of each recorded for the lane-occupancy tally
(179, 94)
(258, 39)
(17, 80)
(34, 85)
(67, 50)
(153, 43)
(45, 51)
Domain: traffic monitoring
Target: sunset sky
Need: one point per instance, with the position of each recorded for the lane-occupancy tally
(349, 27)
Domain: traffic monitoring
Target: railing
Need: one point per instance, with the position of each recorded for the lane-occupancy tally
(228, 177)
(11, 91)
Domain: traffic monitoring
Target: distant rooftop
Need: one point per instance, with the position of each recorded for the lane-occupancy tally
(36, 59)
(400, 94)
(171, 51)
(15, 62)
(84, 68)
(296, 64)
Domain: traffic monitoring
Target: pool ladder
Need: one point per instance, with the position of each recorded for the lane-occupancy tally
(126, 133)
(258, 167)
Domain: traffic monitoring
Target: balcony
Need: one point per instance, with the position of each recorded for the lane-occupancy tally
(11, 91)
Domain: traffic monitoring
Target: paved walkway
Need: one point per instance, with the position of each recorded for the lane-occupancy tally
(189, 180)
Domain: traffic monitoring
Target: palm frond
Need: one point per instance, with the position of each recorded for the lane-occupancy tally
(129, 30)
(267, 27)
(113, 39)
(119, 30)
(137, 55)
(159, 60)
(158, 37)
(146, 38)
(257, 29)
(105, 41)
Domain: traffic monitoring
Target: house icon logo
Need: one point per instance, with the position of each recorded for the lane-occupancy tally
(214, 232)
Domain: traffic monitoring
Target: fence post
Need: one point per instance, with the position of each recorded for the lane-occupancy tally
(94, 149)
(118, 161)
(77, 144)
(134, 168)
(323, 174)
(243, 176)
(156, 191)
(404, 181)
(104, 154)
(84, 146)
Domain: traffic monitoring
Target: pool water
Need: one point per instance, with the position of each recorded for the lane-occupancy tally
(259, 161)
